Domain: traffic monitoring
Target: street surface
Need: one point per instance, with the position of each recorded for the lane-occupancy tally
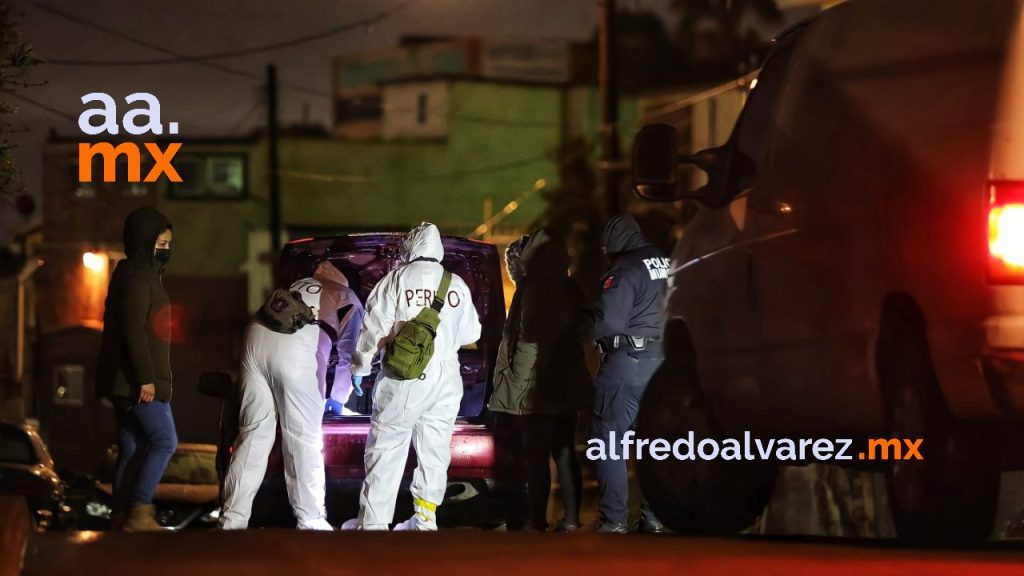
(454, 552)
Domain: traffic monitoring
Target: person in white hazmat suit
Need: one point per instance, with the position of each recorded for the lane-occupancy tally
(282, 380)
(421, 411)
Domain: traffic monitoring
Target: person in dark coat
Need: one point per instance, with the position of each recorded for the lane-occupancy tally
(626, 326)
(541, 380)
(134, 367)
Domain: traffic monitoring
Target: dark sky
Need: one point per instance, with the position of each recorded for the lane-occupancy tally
(211, 102)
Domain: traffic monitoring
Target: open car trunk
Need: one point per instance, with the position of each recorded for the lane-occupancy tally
(366, 258)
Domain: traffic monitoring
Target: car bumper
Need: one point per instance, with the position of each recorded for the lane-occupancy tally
(472, 448)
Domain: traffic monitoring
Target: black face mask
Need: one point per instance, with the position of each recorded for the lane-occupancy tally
(162, 255)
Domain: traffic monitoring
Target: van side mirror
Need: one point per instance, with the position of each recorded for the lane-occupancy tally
(654, 163)
(655, 159)
(215, 384)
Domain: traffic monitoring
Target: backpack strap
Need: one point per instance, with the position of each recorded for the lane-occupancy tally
(329, 330)
(442, 291)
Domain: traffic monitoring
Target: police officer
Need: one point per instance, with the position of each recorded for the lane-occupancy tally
(626, 328)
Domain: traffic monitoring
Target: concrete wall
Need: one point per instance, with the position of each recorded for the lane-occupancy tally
(415, 110)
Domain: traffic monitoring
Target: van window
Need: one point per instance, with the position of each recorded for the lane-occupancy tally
(750, 135)
(754, 126)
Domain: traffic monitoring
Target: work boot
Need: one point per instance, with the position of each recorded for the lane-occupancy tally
(142, 518)
(649, 523)
(566, 525)
(653, 527)
(117, 521)
(612, 528)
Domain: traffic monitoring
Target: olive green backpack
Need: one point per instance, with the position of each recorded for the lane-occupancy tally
(409, 352)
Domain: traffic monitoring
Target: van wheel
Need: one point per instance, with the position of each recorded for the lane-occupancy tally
(714, 497)
(951, 494)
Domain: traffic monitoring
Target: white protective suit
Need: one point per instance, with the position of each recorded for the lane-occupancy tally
(345, 323)
(282, 381)
(421, 411)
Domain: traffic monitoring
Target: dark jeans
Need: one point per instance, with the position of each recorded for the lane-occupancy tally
(527, 444)
(146, 441)
(618, 388)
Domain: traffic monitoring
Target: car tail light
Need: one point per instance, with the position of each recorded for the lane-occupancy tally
(1006, 233)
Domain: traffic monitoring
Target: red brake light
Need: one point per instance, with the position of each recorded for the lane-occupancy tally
(1006, 233)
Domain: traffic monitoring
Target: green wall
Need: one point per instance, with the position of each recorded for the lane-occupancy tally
(211, 236)
(501, 139)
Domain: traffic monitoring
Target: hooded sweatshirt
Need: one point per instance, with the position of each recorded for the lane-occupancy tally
(634, 287)
(137, 319)
(540, 367)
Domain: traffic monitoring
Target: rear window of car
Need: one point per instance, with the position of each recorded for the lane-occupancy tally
(15, 447)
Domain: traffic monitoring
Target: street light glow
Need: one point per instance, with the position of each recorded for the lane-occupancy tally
(93, 261)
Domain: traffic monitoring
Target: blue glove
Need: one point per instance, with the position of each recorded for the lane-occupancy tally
(333, 407)
(357, 385)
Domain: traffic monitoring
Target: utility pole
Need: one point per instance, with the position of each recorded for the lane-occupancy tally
(609, 164)
(272, 165)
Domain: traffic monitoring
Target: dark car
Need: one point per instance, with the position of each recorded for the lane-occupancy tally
(26, 469)
(365, 259)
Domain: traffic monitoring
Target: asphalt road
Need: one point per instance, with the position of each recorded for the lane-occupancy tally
(293, 553)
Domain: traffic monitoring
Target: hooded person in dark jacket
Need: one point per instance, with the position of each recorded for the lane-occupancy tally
(541, 380)
(134, 367)
(626, 325)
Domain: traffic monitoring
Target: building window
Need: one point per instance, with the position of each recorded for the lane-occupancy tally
(131, 189)
(86, 189)
(421, 109)
(209, 177)
(120, 185)
(358, 108)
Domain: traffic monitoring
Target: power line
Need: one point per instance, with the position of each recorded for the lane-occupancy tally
(241, 120)
(153, 46)
(355, 179)
(47, 107)
(321, 177)
(486, 169)
(178, 58)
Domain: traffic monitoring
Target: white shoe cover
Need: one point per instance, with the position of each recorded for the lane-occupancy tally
(415, 524)
(320, 525)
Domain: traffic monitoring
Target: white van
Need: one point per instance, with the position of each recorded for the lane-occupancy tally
(856, 265)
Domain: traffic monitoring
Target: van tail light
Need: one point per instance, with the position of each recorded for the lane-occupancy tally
(1006, 233)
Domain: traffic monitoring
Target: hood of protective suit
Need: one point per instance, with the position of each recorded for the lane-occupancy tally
(423, 241)
(141, 229)
(328, 272)
(544, 257)
(622, 234)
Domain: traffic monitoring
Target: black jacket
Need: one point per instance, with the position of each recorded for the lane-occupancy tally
(541, 368)
(632, 301)
(137, 319)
